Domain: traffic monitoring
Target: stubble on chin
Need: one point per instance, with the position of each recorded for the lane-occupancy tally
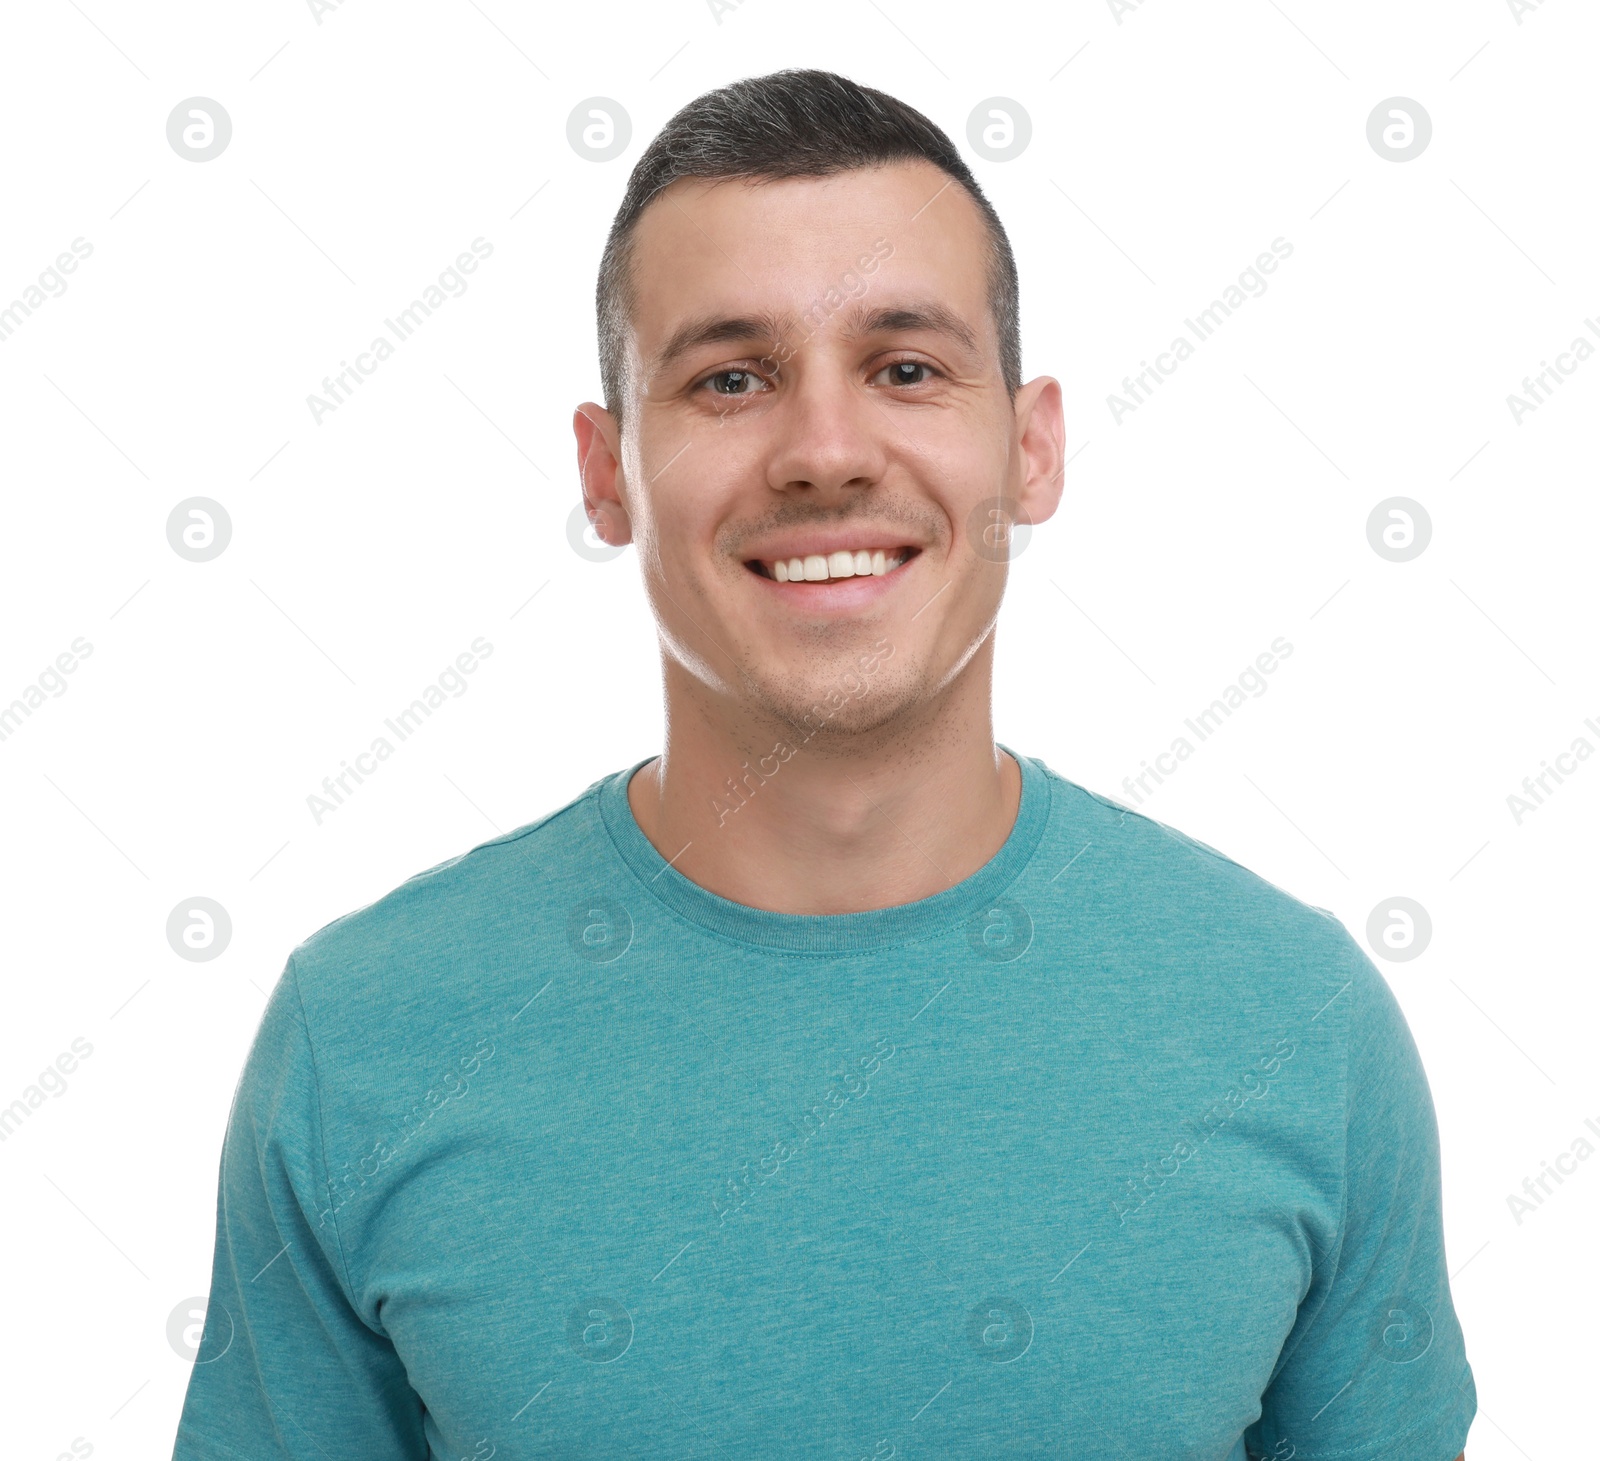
(836, 711)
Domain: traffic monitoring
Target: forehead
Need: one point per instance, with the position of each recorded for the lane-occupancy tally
(744, 245)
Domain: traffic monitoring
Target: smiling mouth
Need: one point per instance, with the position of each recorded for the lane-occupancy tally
(829, 567)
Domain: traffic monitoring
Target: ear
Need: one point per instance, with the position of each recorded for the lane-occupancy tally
(1041, 436)
(600, 473)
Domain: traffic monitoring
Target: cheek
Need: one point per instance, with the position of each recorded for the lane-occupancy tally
(673, 536)
(716, 479)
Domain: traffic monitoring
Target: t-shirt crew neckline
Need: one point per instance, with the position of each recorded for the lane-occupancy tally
(828, 933)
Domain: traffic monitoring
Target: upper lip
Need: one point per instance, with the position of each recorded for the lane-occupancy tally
(826, 541)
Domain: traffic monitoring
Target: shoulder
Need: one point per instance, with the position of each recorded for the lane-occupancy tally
(1206, 926)
(1156, 861)
(1190, 943)
(447, 923)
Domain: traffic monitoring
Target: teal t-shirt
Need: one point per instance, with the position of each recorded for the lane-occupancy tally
(1112, 1149)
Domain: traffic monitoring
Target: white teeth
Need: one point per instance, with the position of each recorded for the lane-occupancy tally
(842, 563)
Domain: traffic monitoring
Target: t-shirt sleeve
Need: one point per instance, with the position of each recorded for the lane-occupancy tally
(1375, 1364)
(287, 1367)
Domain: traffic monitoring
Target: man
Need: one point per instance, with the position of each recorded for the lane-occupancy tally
(835, 1083)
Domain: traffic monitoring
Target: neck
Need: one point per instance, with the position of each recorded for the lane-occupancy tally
(843, 823)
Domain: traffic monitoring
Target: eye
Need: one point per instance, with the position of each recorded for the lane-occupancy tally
(904, 373)
(733, 383)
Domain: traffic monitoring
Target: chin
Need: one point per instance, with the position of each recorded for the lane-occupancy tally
(831, 708)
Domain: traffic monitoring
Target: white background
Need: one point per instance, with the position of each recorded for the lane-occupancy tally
(1169, 148)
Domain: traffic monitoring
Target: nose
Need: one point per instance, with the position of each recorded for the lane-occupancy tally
(829, 438)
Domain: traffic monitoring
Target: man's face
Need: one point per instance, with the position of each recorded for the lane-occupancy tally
(815, 422)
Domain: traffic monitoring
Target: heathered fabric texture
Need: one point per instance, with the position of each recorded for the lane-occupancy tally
(1112, 1149)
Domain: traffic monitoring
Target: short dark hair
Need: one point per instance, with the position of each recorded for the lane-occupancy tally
(789, 124)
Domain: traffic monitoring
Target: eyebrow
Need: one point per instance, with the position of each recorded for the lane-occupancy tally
(902, 319)
(771, 328)
(717, 330)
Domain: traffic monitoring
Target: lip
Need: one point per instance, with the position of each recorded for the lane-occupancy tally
(833, 595)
